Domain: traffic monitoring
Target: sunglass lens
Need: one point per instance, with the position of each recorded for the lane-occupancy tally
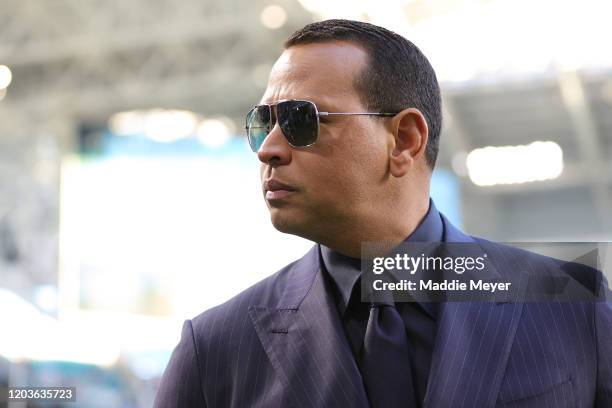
(258, 126)
(298, 121)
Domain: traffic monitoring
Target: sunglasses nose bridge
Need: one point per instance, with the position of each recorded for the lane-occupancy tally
(273, 117)
(270, 141)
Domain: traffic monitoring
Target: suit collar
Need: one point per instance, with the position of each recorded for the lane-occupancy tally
(452, 233)
(460, 244)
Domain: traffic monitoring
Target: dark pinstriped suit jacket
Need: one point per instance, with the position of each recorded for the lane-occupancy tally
(280, 343)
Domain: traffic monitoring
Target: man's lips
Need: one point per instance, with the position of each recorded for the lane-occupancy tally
(276, 190)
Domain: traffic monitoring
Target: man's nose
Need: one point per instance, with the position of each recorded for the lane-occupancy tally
(275, 149)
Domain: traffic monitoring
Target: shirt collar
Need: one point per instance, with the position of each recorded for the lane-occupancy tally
(345, 270)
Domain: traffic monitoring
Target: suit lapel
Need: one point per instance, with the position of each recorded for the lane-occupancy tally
(473, 340)
(303, 338)
(470, 353)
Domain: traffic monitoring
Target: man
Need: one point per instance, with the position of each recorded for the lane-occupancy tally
(347, 133)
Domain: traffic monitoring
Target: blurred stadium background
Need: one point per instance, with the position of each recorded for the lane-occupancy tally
(127, 187)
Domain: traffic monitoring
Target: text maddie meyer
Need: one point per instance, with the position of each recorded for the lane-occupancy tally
(451, 285)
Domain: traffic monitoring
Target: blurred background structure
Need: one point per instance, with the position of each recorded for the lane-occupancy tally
(127, 187)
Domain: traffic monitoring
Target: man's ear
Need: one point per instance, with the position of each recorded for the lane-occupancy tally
(410, 132)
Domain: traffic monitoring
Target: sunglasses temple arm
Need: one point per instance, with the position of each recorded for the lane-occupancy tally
(357, 113)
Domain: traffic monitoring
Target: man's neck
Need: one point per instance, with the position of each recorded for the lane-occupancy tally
(390, 228)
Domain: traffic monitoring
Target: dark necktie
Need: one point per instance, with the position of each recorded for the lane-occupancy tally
(386, 359)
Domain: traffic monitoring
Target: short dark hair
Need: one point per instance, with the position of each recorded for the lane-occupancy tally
(398, 75)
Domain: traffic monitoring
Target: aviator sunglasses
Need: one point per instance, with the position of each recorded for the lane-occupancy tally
(297, 119)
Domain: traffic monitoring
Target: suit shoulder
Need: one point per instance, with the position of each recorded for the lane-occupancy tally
(539, 265)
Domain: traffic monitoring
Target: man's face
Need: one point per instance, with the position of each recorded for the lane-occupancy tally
(335, 182)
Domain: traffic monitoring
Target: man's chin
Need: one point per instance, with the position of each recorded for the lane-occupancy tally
(282, 223)
(287, 223)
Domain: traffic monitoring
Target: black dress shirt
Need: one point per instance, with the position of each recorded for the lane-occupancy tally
(419, 317)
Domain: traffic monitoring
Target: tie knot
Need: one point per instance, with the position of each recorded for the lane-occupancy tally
(382, 304)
